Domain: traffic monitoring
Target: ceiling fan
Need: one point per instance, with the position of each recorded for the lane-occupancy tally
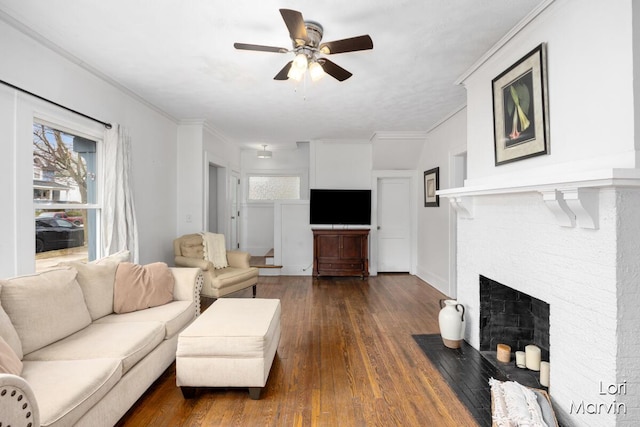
(306, 37)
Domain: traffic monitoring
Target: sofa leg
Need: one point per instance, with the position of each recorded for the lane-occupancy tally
(254, 392)
(254, 290)
(188, 392)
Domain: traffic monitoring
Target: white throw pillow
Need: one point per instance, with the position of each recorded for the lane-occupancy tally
(45, 307)
(118, 257)
(96, 282)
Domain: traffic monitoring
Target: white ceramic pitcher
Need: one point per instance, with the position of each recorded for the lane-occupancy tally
(451, 320)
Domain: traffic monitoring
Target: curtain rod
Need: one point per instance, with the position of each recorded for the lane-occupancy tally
(105, 124)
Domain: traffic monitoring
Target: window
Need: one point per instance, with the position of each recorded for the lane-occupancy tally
(274, 188)
(64, 195)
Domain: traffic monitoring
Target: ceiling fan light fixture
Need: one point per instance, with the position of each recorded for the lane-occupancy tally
(301, 62)
(316, 71)
(295, 73)
(264, 153)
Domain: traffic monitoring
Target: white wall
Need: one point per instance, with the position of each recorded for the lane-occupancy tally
(30, 65)
(436, 245)
(217, 151)
(190, 179)
(341, 164)
(590, 93)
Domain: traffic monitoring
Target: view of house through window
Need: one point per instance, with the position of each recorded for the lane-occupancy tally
(64, 196)
(274, 188)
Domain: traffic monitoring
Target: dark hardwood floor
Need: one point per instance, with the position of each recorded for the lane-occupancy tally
(346, 357)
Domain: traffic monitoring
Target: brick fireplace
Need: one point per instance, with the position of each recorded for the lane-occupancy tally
(577, 250)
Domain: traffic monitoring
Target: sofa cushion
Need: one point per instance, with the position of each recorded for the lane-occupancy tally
(45, 307)
(129, 342)
(250, 324)
(96, 282)
(10, 363)
(66, 389)
(8, 332)
(175, 316)
(230, 276)
(138, 287)
(191, 246)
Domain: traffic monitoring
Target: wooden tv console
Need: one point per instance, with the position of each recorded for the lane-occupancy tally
(342, 252)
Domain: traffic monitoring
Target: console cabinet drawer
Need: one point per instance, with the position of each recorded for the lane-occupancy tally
(340, 266)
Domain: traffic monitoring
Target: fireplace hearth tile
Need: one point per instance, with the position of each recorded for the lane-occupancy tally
(466, 371)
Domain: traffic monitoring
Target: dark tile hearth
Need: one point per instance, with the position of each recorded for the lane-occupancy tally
(466, 371)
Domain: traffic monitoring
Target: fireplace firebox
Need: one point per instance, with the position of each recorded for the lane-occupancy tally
(508, 316)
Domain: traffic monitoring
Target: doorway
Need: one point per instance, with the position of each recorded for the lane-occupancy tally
(394, 224)
(213, 199)
(234, 226)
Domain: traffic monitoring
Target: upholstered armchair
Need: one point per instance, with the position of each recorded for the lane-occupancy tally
(218, 282)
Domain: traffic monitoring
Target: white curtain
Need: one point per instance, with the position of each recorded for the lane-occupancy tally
(119, 226)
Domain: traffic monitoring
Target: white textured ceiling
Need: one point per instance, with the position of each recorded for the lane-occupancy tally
(178, 55)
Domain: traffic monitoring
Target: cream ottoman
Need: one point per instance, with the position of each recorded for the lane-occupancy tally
(231, 344)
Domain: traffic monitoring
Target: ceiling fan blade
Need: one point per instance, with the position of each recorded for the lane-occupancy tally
(295, 23)
(282, 75)
(347, 45)
(245, 46)
(334, 70)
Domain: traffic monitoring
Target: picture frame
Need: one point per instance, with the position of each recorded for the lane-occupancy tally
(431, 185)
(520, 109)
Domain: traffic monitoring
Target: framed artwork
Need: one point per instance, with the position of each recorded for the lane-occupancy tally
(431, 184)
(520, 109)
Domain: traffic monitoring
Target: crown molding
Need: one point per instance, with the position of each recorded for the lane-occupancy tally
(398, 135)
(504, 40)
(24, 29)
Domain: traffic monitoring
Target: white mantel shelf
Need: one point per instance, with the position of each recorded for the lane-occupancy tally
(572, 198)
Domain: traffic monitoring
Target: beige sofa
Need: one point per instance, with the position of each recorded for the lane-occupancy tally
(189, 252)
(82, 364)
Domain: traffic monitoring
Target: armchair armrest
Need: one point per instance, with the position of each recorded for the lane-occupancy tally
(18, 406)
(202, 264)
(238, 259)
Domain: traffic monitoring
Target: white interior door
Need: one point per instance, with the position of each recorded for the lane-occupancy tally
(234, 226)
(394, 224)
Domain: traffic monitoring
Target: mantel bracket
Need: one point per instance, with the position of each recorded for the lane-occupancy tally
(574, 206)
(584, 203)
(463, 206)
(554, 200)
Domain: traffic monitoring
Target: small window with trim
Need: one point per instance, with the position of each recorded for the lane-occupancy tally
(273, 187)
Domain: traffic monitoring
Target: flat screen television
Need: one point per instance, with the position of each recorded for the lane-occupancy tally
(340, 207)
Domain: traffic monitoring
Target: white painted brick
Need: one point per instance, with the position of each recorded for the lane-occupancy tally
(590, 278)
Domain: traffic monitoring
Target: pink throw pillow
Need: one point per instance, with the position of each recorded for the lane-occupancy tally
(9, 361)
(138, 287)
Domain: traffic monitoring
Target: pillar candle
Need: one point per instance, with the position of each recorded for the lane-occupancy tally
(544, 373)
(532, 357)
(503, 353)
(520, 359)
